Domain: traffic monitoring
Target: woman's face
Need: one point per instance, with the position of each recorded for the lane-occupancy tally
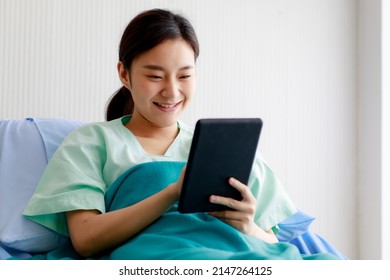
(162, 82)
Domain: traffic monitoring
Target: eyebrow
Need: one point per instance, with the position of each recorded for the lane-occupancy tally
(156, 67)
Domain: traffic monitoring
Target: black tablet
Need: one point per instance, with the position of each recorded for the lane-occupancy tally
(220, 149)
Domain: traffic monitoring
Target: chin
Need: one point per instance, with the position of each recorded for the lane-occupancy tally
(169, 121)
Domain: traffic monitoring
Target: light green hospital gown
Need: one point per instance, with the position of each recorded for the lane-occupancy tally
(90, 159)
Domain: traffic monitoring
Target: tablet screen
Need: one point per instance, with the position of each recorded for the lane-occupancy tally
(220, 149)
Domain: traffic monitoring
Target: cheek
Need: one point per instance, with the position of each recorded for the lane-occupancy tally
(190, 89)
(144, 89)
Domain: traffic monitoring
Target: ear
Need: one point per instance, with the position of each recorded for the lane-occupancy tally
(124, 75)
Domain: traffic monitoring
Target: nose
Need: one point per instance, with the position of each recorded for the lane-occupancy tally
(171, 88)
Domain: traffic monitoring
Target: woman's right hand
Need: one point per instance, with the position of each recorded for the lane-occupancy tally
(92, 232)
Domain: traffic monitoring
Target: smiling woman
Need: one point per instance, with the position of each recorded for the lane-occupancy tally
(113, 187)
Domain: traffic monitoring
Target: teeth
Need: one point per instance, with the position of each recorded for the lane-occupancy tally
(166, 105)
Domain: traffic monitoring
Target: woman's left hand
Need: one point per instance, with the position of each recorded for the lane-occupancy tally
(243, 212)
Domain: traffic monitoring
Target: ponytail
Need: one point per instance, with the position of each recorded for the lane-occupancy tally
(120, 104)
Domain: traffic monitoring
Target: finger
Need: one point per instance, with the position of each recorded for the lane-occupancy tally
(231, 219)
(227, 215)
(229, 202)
(242, 188)
(181, 176)
(183, 171)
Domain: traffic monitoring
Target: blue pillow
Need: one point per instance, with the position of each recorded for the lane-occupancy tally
(294, 226)
(53, 132)
(25, 147)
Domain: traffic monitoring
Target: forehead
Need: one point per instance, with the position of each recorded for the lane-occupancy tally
(168, 54)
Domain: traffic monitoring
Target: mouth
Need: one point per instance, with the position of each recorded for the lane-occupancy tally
(167, 107)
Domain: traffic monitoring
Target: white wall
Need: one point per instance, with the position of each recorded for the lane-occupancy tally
(385, 129)
(374, 156)
(374, 133)
(292, 63)
(369, 129)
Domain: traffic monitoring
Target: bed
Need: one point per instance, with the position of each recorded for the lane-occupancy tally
(26, 145)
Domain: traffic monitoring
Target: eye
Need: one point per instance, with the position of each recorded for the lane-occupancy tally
(184, 77)
(154, 77)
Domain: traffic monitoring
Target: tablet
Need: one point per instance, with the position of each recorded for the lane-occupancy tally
(220, 149)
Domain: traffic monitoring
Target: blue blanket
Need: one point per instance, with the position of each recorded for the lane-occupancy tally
(176, 236)
(185, 236)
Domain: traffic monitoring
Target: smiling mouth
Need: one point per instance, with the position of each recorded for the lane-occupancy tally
(166, 106)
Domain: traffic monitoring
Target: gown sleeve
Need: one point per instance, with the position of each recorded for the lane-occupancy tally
(72, 180)
(273, 202)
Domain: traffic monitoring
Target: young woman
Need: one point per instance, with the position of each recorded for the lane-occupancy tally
(157, 60)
